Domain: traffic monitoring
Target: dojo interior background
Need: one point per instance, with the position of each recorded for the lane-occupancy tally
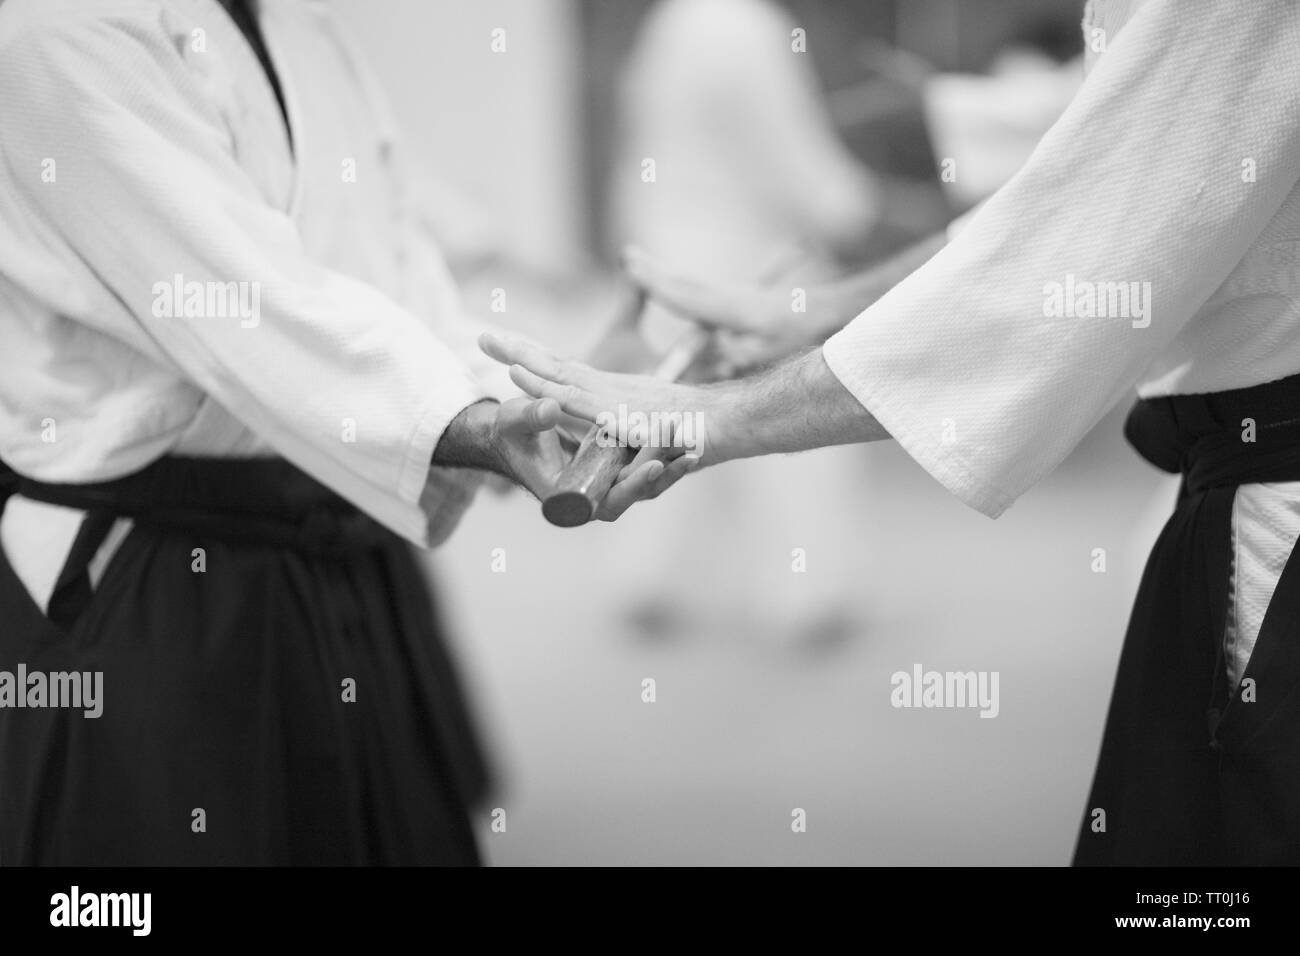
(773, 688)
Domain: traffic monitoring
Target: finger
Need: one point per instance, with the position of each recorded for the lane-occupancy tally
(624, 494)
(497, 347)
(569, 442)
(524, 416)
(646, 454)
(676, 470)
(570, 398)
(542, 415)
(513, 350)
(645, 485)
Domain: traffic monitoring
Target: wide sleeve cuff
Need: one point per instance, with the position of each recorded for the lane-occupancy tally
(926, 441)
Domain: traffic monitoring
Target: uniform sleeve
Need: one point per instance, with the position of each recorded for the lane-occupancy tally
(977, 363)
(149, 199)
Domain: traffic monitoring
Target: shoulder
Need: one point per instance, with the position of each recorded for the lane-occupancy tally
(54, 35)
(68, 67)
(23, 21)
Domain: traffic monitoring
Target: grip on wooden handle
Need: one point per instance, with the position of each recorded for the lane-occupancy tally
(594, 468)
(585, 480)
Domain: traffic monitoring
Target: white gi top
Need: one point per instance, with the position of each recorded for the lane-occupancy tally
(143, 150)
(1174, 172)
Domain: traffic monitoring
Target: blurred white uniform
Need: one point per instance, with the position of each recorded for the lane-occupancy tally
(990, 123)
(746, 164)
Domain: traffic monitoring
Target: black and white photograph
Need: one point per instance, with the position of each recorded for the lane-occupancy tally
(644, 434)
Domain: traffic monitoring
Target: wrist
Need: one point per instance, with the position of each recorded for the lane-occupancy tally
(470, 440)
(730, 430)
(794, 406)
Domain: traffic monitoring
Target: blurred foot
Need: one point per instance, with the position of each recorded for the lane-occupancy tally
(656, 619)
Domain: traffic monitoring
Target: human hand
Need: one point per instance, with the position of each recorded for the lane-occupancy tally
(515, 440)
(664, 420)
(755, 322)
(795, 405)
(528, 449)
(665, 445)
(534, 454)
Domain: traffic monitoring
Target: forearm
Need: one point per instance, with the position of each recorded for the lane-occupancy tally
(794, 406)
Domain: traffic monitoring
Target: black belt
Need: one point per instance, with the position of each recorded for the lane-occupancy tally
(1222, 439)
(252, 501)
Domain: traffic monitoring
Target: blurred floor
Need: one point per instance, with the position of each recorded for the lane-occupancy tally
(747, 727)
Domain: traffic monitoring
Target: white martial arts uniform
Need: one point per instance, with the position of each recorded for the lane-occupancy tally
(1176, 165)
(170, 157)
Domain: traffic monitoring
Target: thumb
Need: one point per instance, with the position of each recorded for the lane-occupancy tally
(526, 416)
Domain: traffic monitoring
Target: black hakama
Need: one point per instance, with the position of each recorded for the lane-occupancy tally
(1193, 771)
(228, 733)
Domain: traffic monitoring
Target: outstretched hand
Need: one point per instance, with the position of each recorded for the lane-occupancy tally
(519, 442)
(794, 406)
(636, 410)
(755, 323)
(670, 425)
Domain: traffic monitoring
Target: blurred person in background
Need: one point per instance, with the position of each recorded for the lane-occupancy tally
(729, 164)
(789, 140)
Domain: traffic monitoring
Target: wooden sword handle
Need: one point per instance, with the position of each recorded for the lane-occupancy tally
(594, 468)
